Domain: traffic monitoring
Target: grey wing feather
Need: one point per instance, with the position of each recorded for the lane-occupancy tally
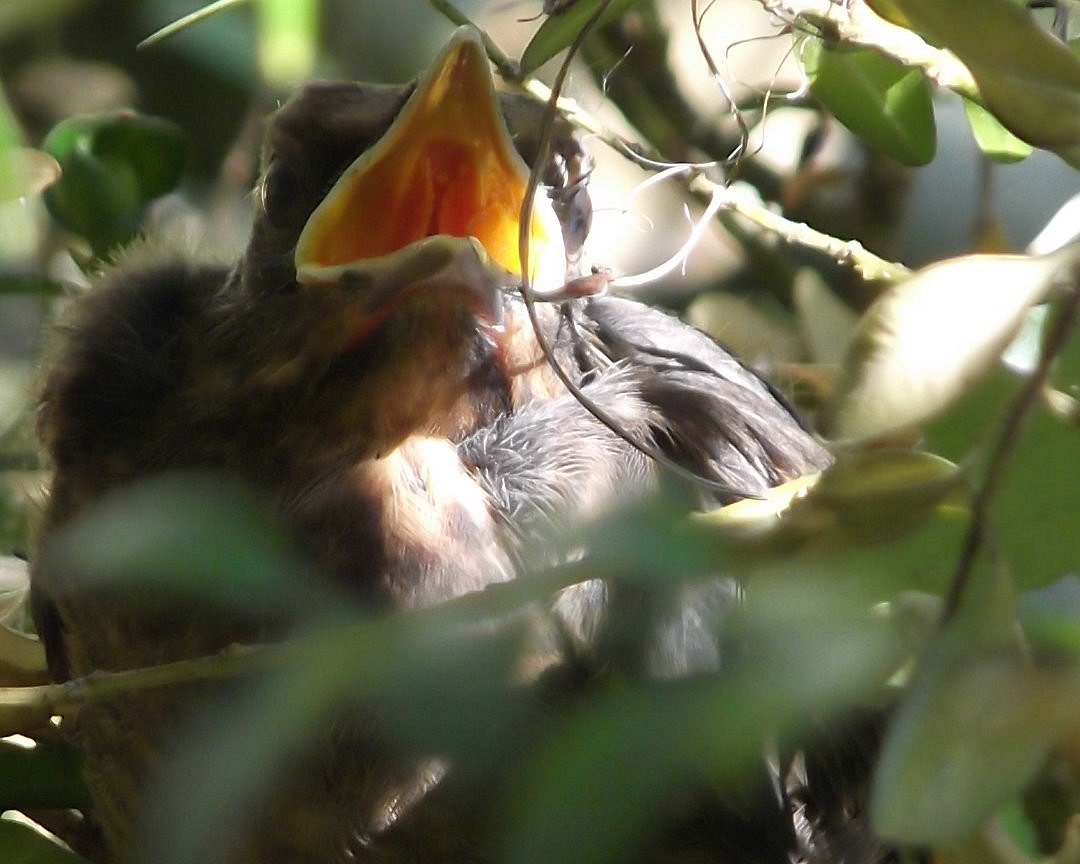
(717, 416)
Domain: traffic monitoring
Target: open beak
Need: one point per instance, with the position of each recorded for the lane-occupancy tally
(437, 199)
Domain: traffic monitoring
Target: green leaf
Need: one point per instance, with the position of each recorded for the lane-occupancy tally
(21, 844)
(439, 688)
(193, 535)
(35, 285)
(113, 165)
(603, 781)
(827, 323)
(559, 30)
(877, 495)
(17, 17)
(48, 776)
(288, 33)
(997, 142)
(1028, 79)
(1051, 615)
(1034, 513)
(1065, 373)
(974, 728)
(882, 101)
(926, 339)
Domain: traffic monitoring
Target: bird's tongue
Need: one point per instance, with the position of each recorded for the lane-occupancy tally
(444, 172)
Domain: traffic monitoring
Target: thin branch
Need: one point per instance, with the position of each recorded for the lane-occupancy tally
(186, 21)
(1007, 439)
(744, 200)
(57, 698)
(29, 706)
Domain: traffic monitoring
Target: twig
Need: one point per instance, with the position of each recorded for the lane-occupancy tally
(21, 706)
(186, 21)
(57, 698)
(744, 200)
(1011, 428)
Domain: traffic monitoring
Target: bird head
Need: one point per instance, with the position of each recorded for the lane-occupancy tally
(386, 241)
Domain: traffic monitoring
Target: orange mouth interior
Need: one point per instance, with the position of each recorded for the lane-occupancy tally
(445, 167)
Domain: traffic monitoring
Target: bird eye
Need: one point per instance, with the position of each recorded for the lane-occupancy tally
(567, 178)
(280, 188)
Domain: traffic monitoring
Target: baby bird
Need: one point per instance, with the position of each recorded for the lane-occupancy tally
(368, 368)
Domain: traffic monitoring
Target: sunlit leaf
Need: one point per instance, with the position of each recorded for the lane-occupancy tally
(885, 103)
(558, 31)
(1062, 229)
(1027, 78)
(927, 338)
(993, 139)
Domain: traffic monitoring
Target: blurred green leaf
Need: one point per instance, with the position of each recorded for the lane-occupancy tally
(1034, 514)
(654, 540)
(288, 34)
(993, 139)
(416, 683)
(974, 728)
(926, 339)
(193, 535)
(1065, 373)
(559, 30)
(16, 391)
(1051, 614)
(827, 323)
(36, 284)
(605, 777)
(878, 495)
(21, 844)
(1028, 79)
(48, 776)
(885, 103)
(113, 165)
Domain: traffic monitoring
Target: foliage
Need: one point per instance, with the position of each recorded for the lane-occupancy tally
(931, 571)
